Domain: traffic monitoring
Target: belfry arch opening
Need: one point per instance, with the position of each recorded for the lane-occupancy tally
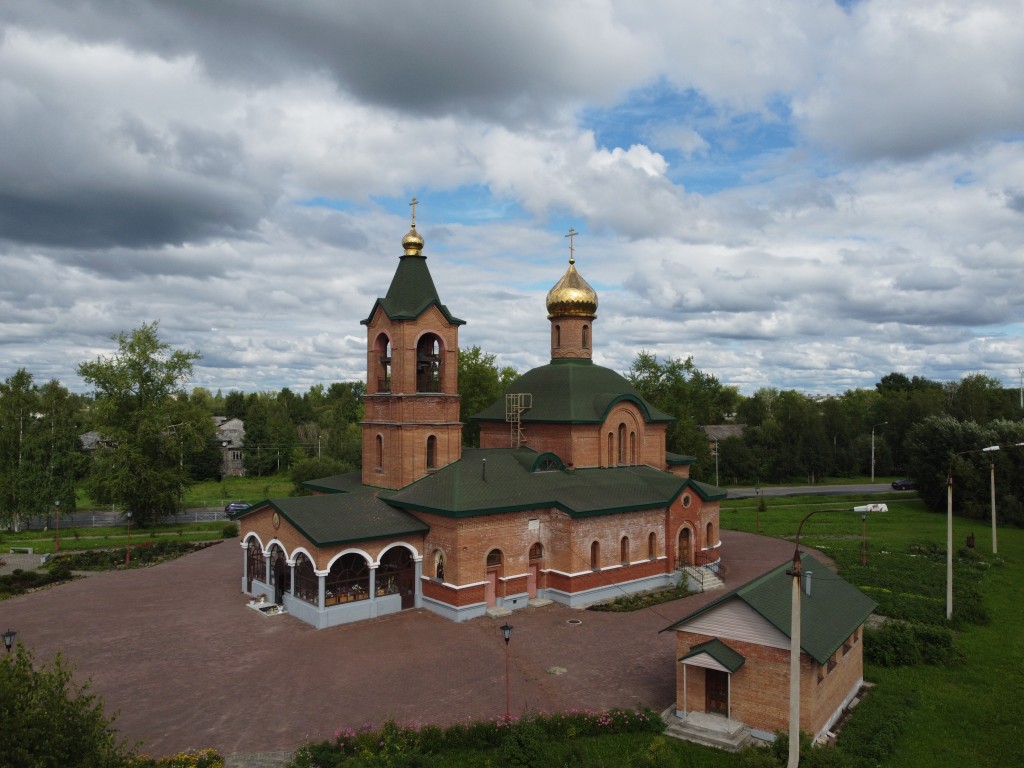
(429, 364)
(382, 355)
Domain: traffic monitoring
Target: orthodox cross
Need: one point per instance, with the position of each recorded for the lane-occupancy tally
(413, 204)
(572, 250)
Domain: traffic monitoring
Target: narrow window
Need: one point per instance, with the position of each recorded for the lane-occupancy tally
(652, 546)
(380, 453)
(624, 550)
(439, 565)
(632, 447)
(611, 449)
(622, 443)
(595, 556)
(431, 452)
(710, 541)
(558, 336)
(586, 336)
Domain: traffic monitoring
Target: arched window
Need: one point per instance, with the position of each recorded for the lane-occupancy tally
(494, 558)
(537, 551)
(307, 584)
(586, 336)
(624, 550)
(710, 540)
(380, 453)
(348, 580)
(652, 546)
(632, 448)
(382, 349)
(395, 564)
(622, 443)
(428, 364)
(431, 452)
(256, 563)
(558, 336)
(595, 556)
(611, 449)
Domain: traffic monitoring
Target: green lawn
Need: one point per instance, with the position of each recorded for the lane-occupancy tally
(105, 537)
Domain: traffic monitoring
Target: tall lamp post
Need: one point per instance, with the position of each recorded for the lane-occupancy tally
(506, 633)
(879, 424)
(716, 459)
(991, 451)
(56, 545)
(8, 637)
(128, 551)
(796, 571)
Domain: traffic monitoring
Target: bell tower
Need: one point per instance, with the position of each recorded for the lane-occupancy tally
(411, 421)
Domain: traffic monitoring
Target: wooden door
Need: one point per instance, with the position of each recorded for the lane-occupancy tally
(491, 589)
(716, 691)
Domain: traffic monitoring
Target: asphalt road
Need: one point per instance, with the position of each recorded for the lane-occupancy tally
(814, 490)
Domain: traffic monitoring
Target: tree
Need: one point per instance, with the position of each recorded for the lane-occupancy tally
(150, 427)
(50, 722)
(481, 382)
(39, 450)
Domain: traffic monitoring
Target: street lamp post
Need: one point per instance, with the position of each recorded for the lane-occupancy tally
(796, 571)
(864, 538)
(879, 424)
(506, 633)
(716, 459)
(128, 551)
(56, 545)
(8, 637)
(991, 450)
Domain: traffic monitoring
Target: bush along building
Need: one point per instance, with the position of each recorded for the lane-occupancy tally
(571, 497)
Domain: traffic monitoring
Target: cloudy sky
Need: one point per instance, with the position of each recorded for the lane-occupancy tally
(800, 194)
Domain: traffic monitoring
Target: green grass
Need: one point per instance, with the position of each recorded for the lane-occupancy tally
(961, 714)
(104, 537)
(210, 493)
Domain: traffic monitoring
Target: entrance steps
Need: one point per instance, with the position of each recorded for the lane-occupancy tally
(701, 578)
(709, 730)
(498, 612)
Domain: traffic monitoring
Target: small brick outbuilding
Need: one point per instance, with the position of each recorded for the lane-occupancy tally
(733, 654)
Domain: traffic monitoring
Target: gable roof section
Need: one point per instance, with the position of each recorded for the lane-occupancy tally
(411, 292)
(343, 518)
(572, 390)
(494, 480)
(350, 482)
(720, 652)
(828, 616)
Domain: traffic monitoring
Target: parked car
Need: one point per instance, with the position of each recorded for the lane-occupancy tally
(234, 507)
(903, 485)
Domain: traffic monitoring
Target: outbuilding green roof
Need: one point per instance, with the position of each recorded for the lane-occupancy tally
(574, 391)
(411, 292)
(350, 482)
(720, 652)
(343, 518)
(493, 480)
(828, 616)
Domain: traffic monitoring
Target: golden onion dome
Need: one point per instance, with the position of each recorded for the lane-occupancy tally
(412, 242)
(572, 296)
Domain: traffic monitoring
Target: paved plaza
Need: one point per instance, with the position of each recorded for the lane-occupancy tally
(175, 650)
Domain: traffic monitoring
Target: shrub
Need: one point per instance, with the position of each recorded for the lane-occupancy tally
(60, 723)
(229, 531)
(898, 644)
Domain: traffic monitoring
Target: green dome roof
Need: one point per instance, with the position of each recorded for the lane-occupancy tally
(572, 390)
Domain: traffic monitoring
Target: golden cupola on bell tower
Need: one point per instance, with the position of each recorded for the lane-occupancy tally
(572, 309)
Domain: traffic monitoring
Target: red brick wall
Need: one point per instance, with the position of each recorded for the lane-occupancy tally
(759, 690)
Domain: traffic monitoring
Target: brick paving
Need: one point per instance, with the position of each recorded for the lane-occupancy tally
(186, 664)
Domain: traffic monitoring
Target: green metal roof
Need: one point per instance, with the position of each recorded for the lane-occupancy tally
(343, 518)
(572, 391)
(411, 292)
(350, 482)
(679, 459)
(720, 652)
(493, 480)
(828, 616)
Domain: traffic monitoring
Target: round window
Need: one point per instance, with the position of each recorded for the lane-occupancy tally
(686, 501)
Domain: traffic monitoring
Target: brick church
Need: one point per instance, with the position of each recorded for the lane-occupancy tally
(571, 497)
